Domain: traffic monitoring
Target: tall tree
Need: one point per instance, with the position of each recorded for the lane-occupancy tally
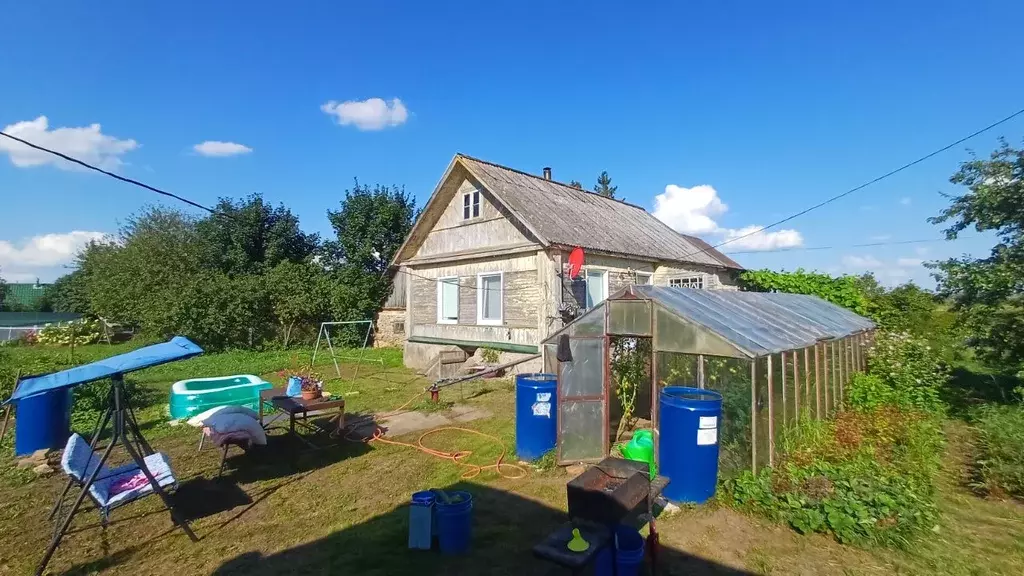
(989, 292)
(69, 293)
(576, 184)
(370, 226)
(250, 236)
(604, 186)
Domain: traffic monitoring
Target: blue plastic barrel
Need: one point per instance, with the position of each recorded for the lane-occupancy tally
(454, 522)
(628, 556)
(42, 422)
(536, 415)
(421, 511)
(688, 420)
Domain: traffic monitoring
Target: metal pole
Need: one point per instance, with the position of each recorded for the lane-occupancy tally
(316, 347)
(366, 340)
(753, 416)
(333, 357)
(771, 415)
(796, 387)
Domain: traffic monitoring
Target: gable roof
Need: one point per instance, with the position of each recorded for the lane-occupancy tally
(569, 216)
(558, 214)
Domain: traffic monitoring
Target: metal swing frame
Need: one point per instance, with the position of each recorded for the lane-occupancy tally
(124, 431)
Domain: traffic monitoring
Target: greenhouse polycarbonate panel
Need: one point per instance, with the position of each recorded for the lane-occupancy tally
(758, 323)
(590, 324)
(673, 334)
(629, 317)
(581, 430)
(584, 375)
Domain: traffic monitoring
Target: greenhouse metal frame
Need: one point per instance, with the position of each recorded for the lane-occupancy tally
(798, 351)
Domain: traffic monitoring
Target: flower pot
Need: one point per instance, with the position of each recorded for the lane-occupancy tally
(311, 394)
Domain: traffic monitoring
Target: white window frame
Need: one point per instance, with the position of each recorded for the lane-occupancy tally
(696, 282)
(441, 281)
(480, 299)
(647, 276)
(604, 280)
(471, 205)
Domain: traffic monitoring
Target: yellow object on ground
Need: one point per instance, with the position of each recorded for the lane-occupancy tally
(577, 544)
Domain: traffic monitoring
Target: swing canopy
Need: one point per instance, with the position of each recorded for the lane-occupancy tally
(178, 348)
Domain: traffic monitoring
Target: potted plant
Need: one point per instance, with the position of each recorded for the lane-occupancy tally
(312, 388)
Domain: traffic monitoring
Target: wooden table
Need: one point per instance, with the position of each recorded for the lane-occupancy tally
(299, 411)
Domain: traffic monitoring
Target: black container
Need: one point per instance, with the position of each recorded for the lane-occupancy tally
(608, 492)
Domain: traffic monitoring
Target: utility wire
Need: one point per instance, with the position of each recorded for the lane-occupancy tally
(111, 174)
(806, 248)
(866, 184)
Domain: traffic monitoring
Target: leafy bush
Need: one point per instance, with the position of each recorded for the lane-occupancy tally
(489, 355)
(909, 367)
(864, 478)
(844, 291)
(84, 331)
(1000, 465)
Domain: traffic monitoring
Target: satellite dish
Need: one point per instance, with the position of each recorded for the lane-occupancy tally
(575, 262)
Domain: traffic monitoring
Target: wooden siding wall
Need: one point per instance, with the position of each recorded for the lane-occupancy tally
(453, 234)
(521, 300)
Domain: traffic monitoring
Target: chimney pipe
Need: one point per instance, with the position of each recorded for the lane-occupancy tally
(547, 173)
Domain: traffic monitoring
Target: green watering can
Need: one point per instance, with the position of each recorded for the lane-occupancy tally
(641, 449)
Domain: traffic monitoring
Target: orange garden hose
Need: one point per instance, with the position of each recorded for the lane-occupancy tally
(505, 470)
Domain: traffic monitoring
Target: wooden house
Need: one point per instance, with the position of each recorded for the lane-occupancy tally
(486, 262)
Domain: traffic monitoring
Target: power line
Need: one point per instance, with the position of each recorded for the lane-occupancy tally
(111, 174)
(807, 248)
(866, 184)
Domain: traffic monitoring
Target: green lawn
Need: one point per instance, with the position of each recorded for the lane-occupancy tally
(341, 510)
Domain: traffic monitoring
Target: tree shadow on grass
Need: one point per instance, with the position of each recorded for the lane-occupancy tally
(505, 528)
(968, 388)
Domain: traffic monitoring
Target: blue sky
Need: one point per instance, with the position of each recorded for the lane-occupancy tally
(770, 106)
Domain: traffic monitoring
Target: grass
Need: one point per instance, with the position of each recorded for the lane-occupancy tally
(341, 510)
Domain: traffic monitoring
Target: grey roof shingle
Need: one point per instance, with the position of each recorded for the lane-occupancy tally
(569, 216)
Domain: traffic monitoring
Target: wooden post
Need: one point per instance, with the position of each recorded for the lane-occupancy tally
(753, 416)
(785, 408)
(796, 388)
(825, 366)
(771, 415)
(700, 371)
(817, 382)
(807, 378)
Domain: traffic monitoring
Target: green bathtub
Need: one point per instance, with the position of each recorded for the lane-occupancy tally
(190, 397)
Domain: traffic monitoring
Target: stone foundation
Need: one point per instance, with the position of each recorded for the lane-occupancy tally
(390, 329)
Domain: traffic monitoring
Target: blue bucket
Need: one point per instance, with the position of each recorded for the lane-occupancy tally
(421, 511)
(454, 522)
(629, 554)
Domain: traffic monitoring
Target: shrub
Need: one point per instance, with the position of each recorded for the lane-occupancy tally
(1000, 465)
(910, 368)
(490, 355)
(84, 331)
(865, 478)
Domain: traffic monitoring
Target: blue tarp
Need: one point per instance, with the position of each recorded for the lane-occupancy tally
(178, 348)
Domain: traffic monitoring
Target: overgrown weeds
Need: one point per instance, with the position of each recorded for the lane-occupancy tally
(1000, 463)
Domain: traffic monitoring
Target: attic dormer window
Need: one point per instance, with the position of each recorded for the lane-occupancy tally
(471, 205)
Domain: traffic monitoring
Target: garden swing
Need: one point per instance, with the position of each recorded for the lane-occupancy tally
(148, 473)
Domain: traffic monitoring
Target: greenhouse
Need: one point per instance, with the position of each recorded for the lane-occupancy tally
(775, 358)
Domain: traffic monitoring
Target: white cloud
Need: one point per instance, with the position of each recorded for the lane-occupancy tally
(693, 211)
(887, 272)
(749, 238)
(44, 250)
(88, 144)
(214, 148)
(689, 210)
(921, 250)
(369, 114)
(861, 263)
(880, 238)
(905, 201)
